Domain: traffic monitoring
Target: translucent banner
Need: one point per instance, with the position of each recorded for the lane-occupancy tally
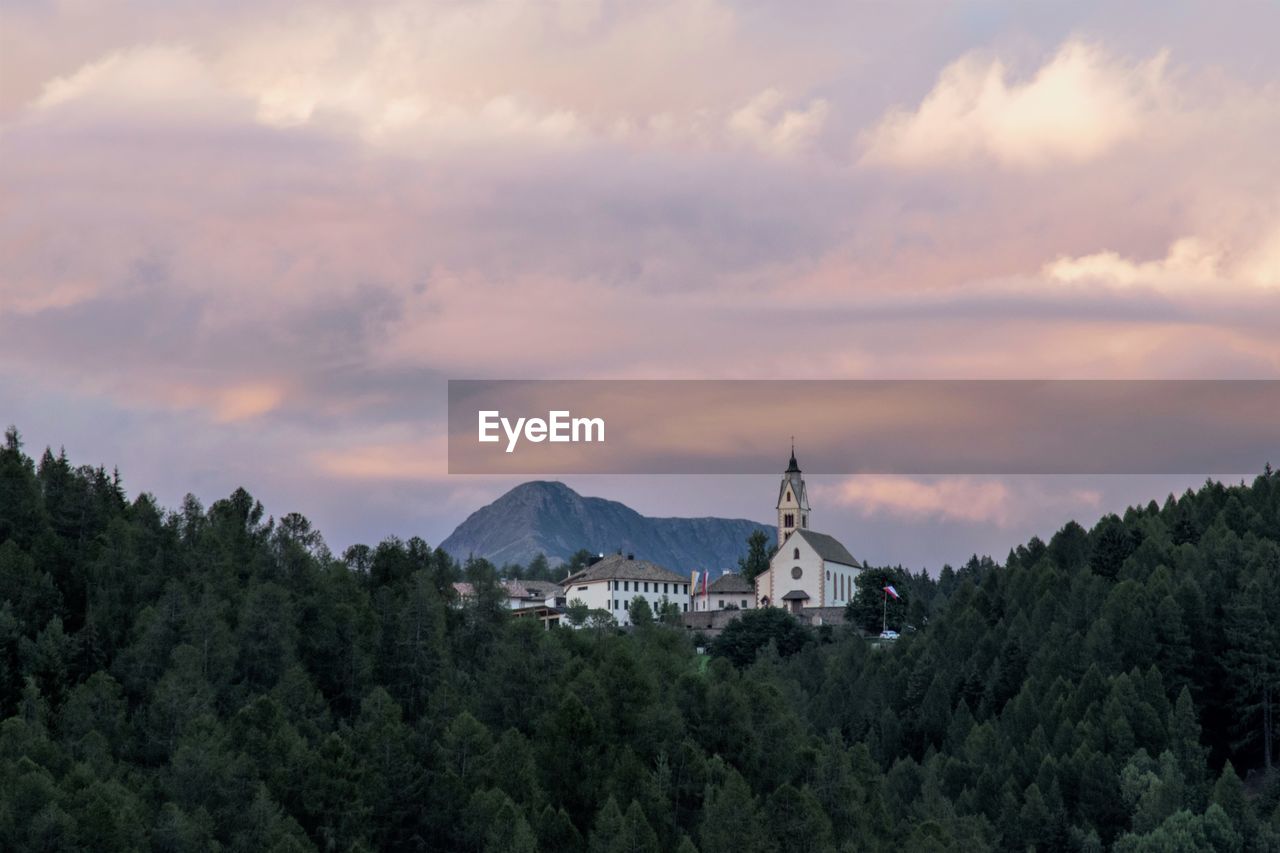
(919, 427)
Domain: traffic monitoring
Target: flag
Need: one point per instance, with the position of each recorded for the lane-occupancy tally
(705, 592)
(891, 591)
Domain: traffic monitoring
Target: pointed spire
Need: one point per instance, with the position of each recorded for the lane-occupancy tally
(793, 467)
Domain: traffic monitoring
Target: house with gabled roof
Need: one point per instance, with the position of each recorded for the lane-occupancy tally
(611, 583)
(730, 591)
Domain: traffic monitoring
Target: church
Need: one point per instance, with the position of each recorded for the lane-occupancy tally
(809, 569)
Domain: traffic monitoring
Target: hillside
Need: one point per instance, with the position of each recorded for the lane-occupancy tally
(210, 679)
(550, 518)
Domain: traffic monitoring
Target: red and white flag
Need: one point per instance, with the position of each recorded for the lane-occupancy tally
(891, 591)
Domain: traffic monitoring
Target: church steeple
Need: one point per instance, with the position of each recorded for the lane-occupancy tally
(793, 500)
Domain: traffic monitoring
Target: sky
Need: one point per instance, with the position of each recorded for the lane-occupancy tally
(248, 243)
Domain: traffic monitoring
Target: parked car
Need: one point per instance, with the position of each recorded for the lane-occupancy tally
(889, 635)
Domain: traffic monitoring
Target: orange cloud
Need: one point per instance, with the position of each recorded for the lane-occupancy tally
(243, 402)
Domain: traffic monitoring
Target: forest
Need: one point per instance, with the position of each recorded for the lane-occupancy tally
(215, 679)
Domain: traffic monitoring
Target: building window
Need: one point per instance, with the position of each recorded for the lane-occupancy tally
(686, 607)
(795, 555)
(789, 520)
(796, 572)
(722, 604)
(646, 586)
(686, 589)
(804, 520)
(582, 589)
(744, 604)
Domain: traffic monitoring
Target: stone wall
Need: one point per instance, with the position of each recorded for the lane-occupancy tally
(713, 622)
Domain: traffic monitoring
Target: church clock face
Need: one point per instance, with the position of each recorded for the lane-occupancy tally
(796, 573)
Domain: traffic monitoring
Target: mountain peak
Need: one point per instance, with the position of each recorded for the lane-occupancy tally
(548, 517)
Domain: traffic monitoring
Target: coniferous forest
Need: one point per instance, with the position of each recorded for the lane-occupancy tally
(213, 678)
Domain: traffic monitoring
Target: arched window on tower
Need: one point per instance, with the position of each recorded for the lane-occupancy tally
(796, 555)
(789, 520)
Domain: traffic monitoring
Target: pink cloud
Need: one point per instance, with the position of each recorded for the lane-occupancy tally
(965, 499)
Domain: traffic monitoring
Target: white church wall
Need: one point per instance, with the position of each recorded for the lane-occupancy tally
(839, 582)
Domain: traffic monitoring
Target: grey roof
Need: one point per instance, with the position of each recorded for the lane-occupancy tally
(529, 589)
(828, 548)
(794, 481)
(730, 582)
(796, 595)
(618, 566)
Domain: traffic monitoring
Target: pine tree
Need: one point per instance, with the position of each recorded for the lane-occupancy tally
(1184, 741)
(794, 820)
(637, 836)
(756, 561)
(1228, 794)
(557, 832)
(1253, 658)
(730, 819)
(607, 828)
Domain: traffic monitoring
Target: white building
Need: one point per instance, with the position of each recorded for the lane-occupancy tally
(809, 569)
(611, 583)
(730, 590)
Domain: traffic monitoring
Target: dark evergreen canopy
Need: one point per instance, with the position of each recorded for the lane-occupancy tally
(215, 679)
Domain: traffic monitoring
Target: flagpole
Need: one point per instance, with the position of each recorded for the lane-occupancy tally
(884, 616)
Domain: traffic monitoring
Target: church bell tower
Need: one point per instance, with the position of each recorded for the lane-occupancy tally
(793, 500)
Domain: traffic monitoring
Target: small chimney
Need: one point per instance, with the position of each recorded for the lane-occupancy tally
(631, 556)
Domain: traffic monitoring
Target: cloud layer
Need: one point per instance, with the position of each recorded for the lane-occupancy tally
(289, 223)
